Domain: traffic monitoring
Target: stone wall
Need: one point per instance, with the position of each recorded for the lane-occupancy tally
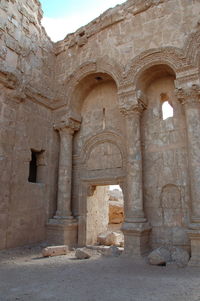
(26, 65)
(121, 34)
(97, 217)
(102, 90)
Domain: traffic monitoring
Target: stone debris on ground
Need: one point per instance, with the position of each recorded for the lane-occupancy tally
(111, 251)
(169, 255)
(180, 256)
(111, 238)
(85, 253)
(55, 251)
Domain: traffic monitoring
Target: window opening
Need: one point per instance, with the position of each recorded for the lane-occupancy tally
(104, 118)
(35, 166)
(167, 109)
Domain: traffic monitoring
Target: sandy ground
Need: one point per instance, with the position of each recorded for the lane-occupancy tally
(25, 276)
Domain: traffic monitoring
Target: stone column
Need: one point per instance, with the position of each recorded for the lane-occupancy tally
(136, 229)
(190, 99)
(62, 229)
(65, 172)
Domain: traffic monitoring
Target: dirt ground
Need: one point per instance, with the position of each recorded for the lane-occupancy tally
(26, 276)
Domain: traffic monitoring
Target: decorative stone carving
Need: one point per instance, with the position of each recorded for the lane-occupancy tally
(189, 96)
(170, 197)
(68, 123)
(108, 154)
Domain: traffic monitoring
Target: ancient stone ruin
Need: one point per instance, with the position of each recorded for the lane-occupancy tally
(88, 112)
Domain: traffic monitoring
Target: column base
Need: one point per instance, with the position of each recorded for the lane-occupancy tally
(136, 239)
(194, 236)
(62, 231)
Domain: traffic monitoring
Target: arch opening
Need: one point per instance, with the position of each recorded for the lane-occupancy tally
(149, 75)
(85, 86)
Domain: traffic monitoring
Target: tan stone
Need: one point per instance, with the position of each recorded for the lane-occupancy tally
(116, 213)
(87, 112)
(55, 251)
(110, 239)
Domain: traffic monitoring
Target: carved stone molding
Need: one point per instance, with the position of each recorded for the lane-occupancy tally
(69, 123)
(189, 95)
(131, 102)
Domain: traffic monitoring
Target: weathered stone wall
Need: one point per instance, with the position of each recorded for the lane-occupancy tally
(26, 64)
(126, 31)
(166, 185)
(119, 46)
(102, 87)
(97, 217)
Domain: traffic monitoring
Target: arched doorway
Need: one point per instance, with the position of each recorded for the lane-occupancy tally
(99, 146)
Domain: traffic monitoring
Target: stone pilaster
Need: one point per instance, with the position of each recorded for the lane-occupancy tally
(136, 229)
(62, 229)
(190, 99)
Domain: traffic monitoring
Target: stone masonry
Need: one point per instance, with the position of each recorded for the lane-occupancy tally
(86, 112)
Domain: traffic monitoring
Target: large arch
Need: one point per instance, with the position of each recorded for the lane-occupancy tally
(179, 60)
(88, 72)
(173, 57)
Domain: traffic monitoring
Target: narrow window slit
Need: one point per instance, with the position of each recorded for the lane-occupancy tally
(36, 167)
(104, 118)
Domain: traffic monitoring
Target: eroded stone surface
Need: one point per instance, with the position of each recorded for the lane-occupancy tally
(110, 238)
(55, 251)
(159, 256)
(94, 118)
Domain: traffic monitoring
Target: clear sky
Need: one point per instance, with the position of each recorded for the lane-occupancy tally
(64, 16)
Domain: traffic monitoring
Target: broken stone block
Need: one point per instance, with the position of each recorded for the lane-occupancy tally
(116, 213)
(180, 256)
(83, 253)
(159, 256)
(55, 251)
(111, 251)
(110, 239)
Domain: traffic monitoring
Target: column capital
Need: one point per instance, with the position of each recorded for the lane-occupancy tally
(132, 101)
(188, 95)
(68, 124)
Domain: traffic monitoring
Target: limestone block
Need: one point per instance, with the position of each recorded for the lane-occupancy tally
(82, 41)
(110, 238)
(83, 253)
(55, 251)
(111, 251)
(116, 213)
(11, 58)
(24, 12)
(180, 256)
(13, 45)
(159, 256)
(3, 52)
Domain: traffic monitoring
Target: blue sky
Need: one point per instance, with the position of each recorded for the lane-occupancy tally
(64, 16)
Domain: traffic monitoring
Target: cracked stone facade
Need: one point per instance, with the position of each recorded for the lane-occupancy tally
(87, 112)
